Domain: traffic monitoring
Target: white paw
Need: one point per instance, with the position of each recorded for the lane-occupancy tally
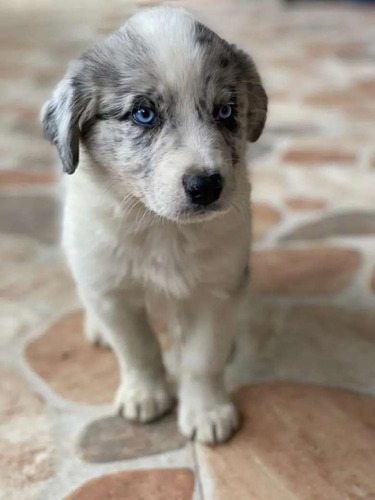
(143, 400)
(94, 335)
(210, 426)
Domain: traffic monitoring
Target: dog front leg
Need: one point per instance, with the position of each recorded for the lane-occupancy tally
(206, 412)
(143, 393)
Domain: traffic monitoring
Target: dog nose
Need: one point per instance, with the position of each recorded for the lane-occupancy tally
(202, 189)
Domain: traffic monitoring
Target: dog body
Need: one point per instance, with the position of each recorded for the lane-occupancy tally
(157, 215)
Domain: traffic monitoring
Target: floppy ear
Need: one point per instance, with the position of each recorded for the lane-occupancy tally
(257, 110)
(60, 118)
(257, 100)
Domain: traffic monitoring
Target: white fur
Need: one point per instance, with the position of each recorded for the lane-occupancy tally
(125, 259)
(133, 253)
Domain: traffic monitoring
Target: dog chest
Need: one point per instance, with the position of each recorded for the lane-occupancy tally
(163, 260)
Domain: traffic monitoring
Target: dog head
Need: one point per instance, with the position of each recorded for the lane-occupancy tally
(164, 107)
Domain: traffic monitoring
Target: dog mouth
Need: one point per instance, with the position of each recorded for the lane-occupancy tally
(199, 214)
(191, 213)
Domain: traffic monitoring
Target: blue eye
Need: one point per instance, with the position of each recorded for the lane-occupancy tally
(224, 112)
(144, 116)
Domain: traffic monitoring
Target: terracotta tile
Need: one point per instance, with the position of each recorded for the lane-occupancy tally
(297, 441)
(113, 438)
(310, 155)
(12, 71)
(155, 484)
(319, 48)
(18, 177)
(29, 215)
(59, 356)
(366, 88)
(333, 98)
(326, 345)
(303, 272)
(359, 111)
(350, 223)
(355, 50)
(264, 218)
(25, 441)
(301, 204)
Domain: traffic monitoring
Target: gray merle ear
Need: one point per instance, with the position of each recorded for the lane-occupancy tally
(62, 118)
(256, 96)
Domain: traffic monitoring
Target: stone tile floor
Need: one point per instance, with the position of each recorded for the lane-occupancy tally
(303, 376)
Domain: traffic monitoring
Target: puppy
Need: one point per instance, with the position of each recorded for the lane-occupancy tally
(153, 123)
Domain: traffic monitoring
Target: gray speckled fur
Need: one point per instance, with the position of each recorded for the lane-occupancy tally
(100, 87)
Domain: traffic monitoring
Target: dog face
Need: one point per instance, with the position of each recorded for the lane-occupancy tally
(164, 107)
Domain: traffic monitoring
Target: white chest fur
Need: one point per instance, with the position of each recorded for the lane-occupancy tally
(114, 245)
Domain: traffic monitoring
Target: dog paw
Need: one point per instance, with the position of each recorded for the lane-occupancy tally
(210, 426)
(144, 400)
(94, 335)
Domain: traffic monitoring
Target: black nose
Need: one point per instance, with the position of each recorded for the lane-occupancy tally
(202, 189)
